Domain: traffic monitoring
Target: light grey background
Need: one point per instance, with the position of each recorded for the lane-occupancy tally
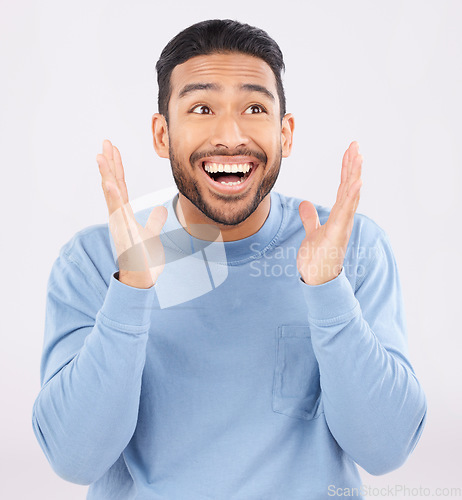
(385, 73)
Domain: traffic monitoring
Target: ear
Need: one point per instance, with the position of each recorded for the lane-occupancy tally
(160, 135)
(287, 134)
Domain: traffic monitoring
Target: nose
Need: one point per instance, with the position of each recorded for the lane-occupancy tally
(227, 133)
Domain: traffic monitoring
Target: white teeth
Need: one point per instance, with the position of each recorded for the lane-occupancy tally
(231, 183)
(218, 167)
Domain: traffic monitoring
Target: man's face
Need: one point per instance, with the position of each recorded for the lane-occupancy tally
(224, 114)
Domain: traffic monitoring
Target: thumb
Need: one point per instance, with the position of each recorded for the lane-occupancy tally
(309, 216)
(156, 220)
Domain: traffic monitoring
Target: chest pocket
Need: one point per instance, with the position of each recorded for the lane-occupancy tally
(296, 386)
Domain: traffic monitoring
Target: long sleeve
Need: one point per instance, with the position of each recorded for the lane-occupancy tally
(373, 403)
(91, 371)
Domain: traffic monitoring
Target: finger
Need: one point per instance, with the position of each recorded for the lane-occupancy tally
(112, 191)
(122, 223)
(356, 169)
(343, 215)
(353, 172)
(109, 184)
(346, 201)
(108, 154)
(342, 212)
(355, 192)
(109, 174)
(347, 164)
(121, 216)
(358, 179)
(345, 161)
(353, 151)
(156, 220)
(343, 176)
(309, 216)
(357, 199)
(119, 174)
(354, 181)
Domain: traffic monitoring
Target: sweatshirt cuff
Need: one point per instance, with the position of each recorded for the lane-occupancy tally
(129, 306)
(332, 302)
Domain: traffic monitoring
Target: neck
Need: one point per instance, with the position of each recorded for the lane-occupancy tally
(201, 227)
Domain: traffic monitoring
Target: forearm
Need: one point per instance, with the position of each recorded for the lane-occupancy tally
(85, 415)
(373, 403)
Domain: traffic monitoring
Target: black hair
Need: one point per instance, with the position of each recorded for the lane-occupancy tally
(217, 36)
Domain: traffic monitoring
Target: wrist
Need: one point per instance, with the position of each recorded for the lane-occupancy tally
(134, 279)
(314, 280)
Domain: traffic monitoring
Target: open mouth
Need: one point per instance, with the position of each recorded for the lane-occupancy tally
(228, 174)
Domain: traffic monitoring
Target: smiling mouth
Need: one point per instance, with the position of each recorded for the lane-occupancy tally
(228, 174)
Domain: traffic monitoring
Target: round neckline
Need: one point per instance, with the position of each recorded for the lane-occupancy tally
(237, 251)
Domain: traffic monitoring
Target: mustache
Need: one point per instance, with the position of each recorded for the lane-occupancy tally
(224, 152)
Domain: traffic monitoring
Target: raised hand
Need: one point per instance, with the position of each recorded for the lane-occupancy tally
(321, 254)
(140, 253)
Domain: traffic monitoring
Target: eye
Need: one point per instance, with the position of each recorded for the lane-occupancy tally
(260, 108)
(201, 106)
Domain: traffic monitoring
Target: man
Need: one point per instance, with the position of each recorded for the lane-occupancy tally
(276, 380)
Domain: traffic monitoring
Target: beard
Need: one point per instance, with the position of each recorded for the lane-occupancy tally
(227, 210)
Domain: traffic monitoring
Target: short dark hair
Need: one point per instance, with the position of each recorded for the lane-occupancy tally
(217, 36)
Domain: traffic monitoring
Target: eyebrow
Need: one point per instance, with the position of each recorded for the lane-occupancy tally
(249, 87)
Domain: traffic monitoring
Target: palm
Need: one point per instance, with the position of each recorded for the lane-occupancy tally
(322, 251)
(140, 253)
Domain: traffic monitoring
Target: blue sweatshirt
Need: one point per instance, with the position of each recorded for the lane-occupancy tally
(230, 378)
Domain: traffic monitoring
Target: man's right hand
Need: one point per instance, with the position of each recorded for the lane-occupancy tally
(140, 253)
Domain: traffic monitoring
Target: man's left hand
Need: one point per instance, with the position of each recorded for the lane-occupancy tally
(321, 254)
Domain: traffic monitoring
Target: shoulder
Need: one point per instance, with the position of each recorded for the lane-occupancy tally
(84, 237)
(88, 252)
(87, 241)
